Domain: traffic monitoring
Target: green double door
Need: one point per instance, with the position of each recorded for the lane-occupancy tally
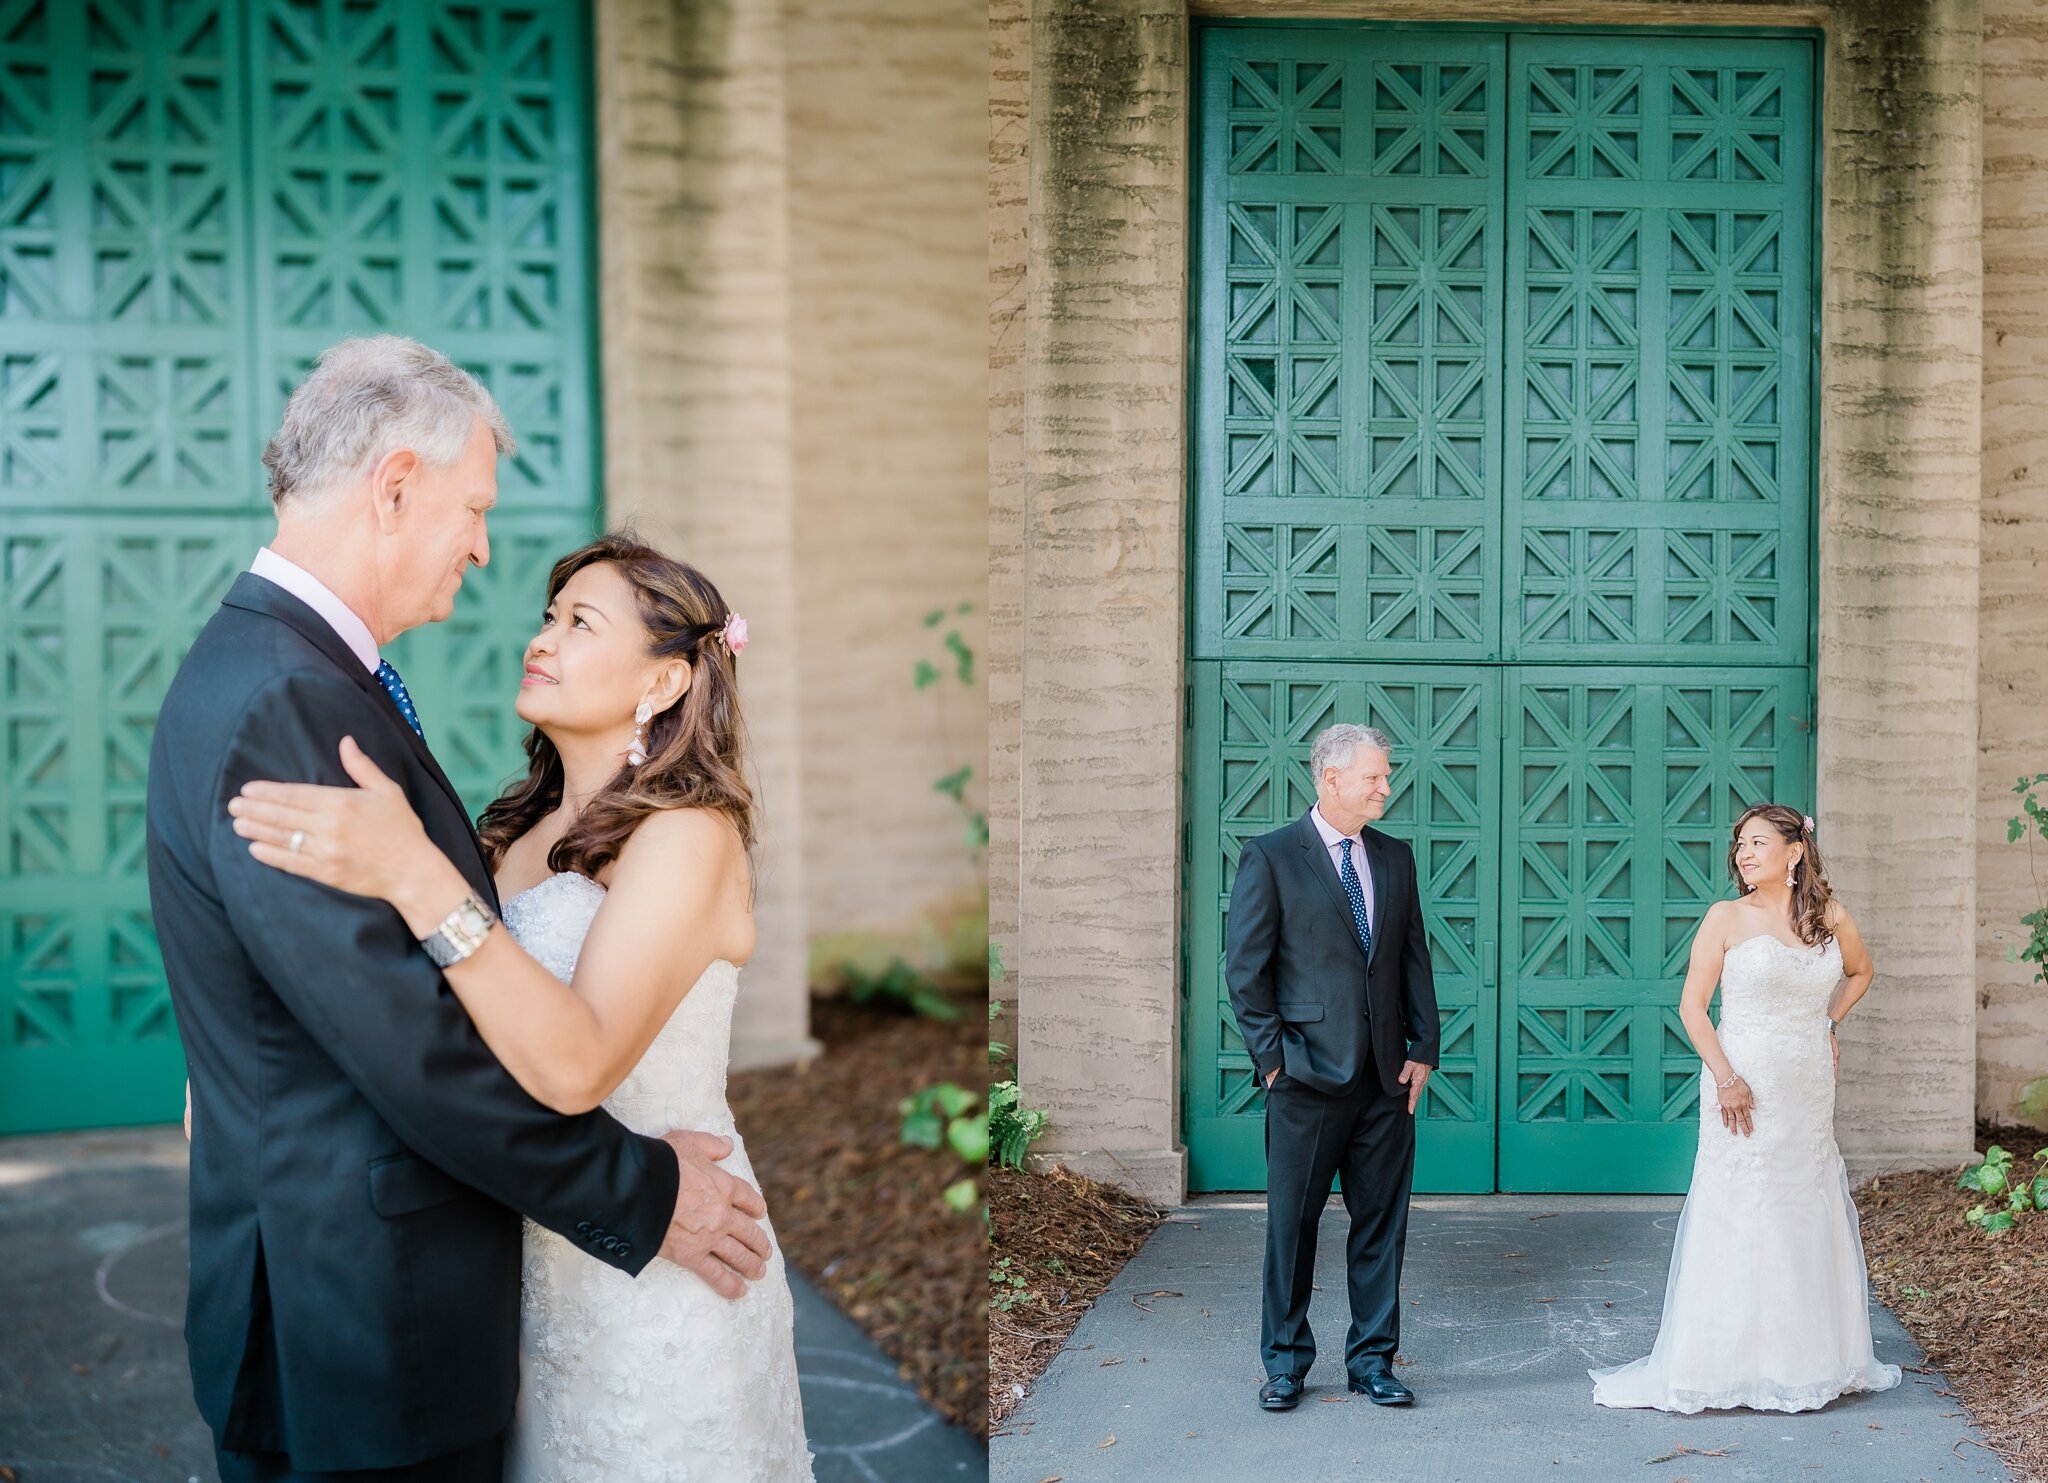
(1502, 443)
(196, 198)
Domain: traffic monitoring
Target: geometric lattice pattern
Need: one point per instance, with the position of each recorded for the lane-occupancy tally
(1283, 336)
(1348, 346)
(1659, 352)
(1444, 803)
(1621, 788)
(1429, 118)
(1286, 118)
(1502, 378)
(1427, 353)
(196, 197)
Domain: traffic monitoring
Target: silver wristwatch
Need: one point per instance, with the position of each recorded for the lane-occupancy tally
(461, 934)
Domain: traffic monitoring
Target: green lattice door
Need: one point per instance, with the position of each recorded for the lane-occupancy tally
(196, 196)
(1502, 383)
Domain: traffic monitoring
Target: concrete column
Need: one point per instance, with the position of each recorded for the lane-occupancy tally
(2012, 663)
(1901, 403)
(693, 175)
(1103, 555)
(1009, 189)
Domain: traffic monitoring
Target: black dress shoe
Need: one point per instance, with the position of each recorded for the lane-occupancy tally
(1382, 1389)
(1281, 1393)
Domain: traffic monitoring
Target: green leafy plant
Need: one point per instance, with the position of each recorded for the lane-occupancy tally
(2018, 1194)
(947, 1115)
(956, 659)
(2030, 823)
(1006, 1288)
(900, 986)
(1012, 1126)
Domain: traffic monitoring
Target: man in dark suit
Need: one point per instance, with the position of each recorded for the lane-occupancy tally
(360, 1161)
(1328, 967)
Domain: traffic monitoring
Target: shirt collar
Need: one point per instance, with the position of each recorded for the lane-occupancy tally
(318, 596)
(1331, 838)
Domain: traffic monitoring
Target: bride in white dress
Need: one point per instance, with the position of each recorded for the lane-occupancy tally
(1766, 1306)
(623, 868)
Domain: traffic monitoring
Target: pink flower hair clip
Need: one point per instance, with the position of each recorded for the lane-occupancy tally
(734, 635)
(1807, 820)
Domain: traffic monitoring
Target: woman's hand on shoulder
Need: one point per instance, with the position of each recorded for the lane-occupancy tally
(365, 839)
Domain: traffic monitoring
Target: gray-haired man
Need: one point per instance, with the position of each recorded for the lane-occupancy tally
(1328, 967)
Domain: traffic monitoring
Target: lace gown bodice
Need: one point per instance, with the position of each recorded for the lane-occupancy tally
(1766, 1306)
(654, 1379)
(680, 1082)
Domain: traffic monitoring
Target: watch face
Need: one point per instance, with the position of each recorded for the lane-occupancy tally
(475, 922)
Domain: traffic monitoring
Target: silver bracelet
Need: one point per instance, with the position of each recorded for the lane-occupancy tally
(1724, 1085)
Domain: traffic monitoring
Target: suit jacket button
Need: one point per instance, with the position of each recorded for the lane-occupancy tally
(582, 1227)
(625, 1249)
(611, 1243)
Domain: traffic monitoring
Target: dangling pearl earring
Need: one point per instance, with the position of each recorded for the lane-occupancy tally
(1791, 870)
(637, 753)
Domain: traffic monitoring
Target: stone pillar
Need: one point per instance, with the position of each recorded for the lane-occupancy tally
(1104, 547)
(1009, 189)
(1900, 412)
(2012, 664)
(693, 176)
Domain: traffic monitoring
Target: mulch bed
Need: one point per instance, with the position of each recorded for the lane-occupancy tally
(1972, 1301)
(859, 1213)
(1067, 1237)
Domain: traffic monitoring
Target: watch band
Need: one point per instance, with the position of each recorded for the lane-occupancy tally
(461, 932)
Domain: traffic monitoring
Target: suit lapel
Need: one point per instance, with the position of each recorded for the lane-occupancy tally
(1382, 888)
(1319, 866)
(260, 595)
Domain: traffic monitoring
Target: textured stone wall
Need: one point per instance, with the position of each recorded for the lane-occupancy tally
(2012, 670)
(1009, 170)
(1901, 399)
(1102, 530)
(887, 247)
(1103, 537)
(695, 306)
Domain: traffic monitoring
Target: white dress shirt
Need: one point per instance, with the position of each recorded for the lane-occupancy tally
(316, 595)
(1333, 843)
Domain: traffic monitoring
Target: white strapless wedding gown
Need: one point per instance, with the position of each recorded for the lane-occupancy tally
(1767, 1305)
(654, 1379)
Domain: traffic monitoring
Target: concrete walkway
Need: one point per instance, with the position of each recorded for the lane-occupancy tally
(93, 1384)
(1508, 1300)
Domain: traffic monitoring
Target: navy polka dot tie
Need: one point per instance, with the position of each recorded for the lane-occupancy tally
(395, 688)
(1349, 874)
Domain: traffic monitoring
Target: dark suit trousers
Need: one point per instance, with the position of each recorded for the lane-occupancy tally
(1311, 1136)
(483, 1463)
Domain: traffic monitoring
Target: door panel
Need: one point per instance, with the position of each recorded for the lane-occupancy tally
(1621, 788)
(204, 194)
(1657, 474)
(1348, 377)
(1258, 719)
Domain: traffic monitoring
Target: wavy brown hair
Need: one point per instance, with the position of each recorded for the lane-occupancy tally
(696, 749)
(1810, 890)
